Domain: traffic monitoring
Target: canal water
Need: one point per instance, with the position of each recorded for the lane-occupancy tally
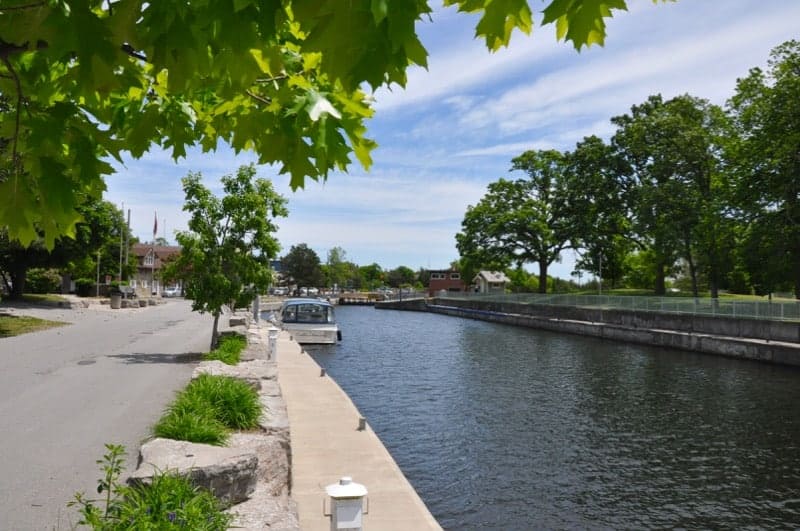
(499, 427)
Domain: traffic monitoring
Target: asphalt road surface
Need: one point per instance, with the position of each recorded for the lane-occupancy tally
(65, 392)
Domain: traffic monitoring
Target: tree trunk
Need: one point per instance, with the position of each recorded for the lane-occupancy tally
(18, 277)
(214, 332)
(692, 269)
(796, 272)
(660, 287)
(542, 276)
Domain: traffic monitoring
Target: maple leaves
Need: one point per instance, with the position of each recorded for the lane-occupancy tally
(84, 80)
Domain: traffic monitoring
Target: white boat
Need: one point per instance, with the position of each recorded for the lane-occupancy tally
(310, 321)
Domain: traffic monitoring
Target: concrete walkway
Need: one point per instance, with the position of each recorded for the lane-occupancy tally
(327, 445)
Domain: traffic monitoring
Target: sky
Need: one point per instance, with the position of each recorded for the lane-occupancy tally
(456, 126)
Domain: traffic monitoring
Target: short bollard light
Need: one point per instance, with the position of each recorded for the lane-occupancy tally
(347, 504)
(273, 343)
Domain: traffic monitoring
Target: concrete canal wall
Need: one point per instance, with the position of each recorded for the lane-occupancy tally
(769, 341)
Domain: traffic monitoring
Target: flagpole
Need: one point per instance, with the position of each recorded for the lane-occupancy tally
(153, 263)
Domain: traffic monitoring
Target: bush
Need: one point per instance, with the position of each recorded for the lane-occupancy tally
(209, 406)
(40, 280)
(192, 420)
(228, 350)
(84, 286)
(235, 402)
(168, 502)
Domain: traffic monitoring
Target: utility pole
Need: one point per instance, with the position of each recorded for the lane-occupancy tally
(97, 284)
(121, 239)
(127, 232)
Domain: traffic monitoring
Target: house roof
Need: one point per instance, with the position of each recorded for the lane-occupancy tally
(492, 276)
(162, 252)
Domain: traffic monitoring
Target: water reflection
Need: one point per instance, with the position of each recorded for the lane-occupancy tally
(506, 428)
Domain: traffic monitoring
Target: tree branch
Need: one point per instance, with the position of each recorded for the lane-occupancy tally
(262, 99)
(130, 50)
(22, 7)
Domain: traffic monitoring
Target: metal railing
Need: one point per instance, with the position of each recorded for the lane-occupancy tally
(776, 310)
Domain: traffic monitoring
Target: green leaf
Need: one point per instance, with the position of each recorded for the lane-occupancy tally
(581, 21)
(499, 20)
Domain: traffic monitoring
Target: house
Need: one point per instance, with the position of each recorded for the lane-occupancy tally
(447, 280)
(150, 260)
(490, 282)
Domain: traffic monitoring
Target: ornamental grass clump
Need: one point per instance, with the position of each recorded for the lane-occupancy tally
(167, 502)
(229, 350)
(208, 408)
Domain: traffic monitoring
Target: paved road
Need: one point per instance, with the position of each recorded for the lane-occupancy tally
(65, 392)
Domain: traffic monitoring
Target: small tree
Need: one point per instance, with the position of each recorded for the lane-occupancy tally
(226, 251)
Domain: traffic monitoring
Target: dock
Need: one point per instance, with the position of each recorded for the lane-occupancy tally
(326, 444)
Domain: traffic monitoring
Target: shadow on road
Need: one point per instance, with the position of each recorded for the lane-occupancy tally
(132, 359)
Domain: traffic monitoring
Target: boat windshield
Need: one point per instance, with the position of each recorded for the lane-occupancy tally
(307, 313)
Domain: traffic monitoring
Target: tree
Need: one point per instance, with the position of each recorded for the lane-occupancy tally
(225, 254)
(520, 221)
(595, 206)
(85, 80)
(337, 267)
(302, 264)
(400, 276)
(766, 162)
(99, 233)
(372, 276)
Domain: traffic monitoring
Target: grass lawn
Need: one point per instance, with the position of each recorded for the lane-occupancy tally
(11, 325)
(33, 298)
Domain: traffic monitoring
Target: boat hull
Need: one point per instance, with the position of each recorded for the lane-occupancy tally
(313, 335)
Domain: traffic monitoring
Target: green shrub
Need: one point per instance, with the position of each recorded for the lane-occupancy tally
(193, 420)
(40, 280)
(207, 407)
(229, 349)
(235, 402)
(168, 502)
(84, 286)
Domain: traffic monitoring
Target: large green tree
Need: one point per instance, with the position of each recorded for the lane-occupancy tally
(766, 163)
(673, 152)
(519, 221)
(225, 254)
(596, 208)
(83, 81)
(97, 237)
(302, 264)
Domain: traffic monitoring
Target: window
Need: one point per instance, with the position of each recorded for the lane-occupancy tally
(455, 276)
(149, 258)
(438, 276)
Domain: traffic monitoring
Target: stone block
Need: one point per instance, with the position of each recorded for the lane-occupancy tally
(255, 370)
(275, 418)
(229, 473)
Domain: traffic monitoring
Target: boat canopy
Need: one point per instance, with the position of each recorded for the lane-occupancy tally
(307, 311)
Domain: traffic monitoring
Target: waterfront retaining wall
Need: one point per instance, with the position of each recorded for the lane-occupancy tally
(769, 341)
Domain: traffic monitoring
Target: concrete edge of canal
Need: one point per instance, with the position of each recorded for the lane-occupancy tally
(327, 444)
(766, 341)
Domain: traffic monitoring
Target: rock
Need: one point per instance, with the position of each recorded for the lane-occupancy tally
(275, 418)
(254, 371)
(151, 302)
(229, 473)
(142, 303)
(270, 506)
(237, 321)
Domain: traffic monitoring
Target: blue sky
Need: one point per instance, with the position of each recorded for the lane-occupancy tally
(457, 125)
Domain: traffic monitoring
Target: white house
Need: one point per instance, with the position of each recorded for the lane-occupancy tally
(490, 282)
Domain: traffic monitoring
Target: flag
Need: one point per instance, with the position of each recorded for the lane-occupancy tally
(155, 225)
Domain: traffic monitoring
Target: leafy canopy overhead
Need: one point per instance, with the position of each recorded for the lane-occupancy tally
(84, 81)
